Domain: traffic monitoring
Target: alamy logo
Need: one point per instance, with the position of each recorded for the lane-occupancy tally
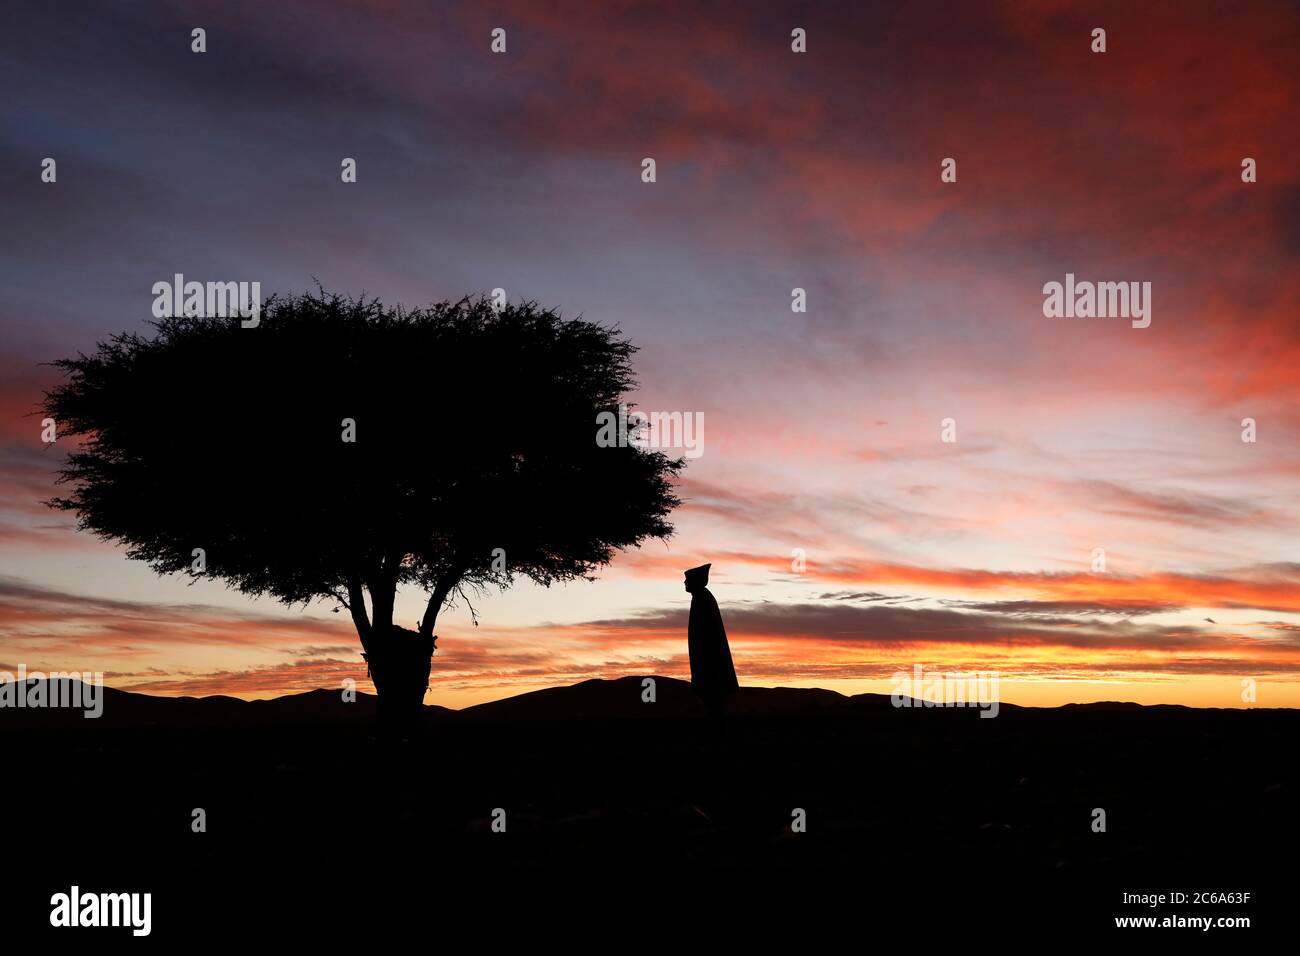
(921, 689)
(103, 909)
(84, 691)
(684, 430)
(1101, 300)
(208, 300)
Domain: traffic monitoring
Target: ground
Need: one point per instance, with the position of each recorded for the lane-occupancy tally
(911, 815)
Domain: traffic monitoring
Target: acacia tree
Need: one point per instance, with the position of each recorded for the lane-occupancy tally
(342, 449)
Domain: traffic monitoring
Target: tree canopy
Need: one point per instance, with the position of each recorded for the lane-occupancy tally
(473, 429)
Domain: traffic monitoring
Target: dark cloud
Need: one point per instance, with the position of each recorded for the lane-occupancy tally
(1179, 507)
(56, 621)
(1065, 608)
(856, 596)
(333, 650)
(1050, 625)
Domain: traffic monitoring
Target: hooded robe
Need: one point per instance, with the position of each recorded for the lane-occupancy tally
(713, 676)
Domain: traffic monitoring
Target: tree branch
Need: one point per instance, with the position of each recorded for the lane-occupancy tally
(473, 614)
(439, 597)
(356, 605)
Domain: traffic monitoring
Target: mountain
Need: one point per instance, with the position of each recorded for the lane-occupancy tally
(621, 698)
(624, 697)
(122, 708)
(618, 698)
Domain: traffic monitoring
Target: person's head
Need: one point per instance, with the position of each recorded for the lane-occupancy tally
(698, 578)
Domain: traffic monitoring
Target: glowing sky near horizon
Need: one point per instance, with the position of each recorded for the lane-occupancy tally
(822, 430)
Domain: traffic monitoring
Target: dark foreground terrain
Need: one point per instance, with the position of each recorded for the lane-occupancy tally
(920, 823)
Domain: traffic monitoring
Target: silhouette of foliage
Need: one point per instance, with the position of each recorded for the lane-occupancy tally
(474, 430)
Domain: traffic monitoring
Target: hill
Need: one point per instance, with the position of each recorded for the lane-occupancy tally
(607, 797)
(618, 698)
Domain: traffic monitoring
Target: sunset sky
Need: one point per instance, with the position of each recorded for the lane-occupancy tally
(822, 430)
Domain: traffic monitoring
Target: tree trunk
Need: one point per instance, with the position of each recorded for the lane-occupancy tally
(400, 661)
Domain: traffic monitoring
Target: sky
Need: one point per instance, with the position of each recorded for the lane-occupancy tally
(823, 429)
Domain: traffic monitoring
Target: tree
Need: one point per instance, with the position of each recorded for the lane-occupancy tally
(341, 449)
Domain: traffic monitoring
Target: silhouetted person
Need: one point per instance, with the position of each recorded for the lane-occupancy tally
(713, 676)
